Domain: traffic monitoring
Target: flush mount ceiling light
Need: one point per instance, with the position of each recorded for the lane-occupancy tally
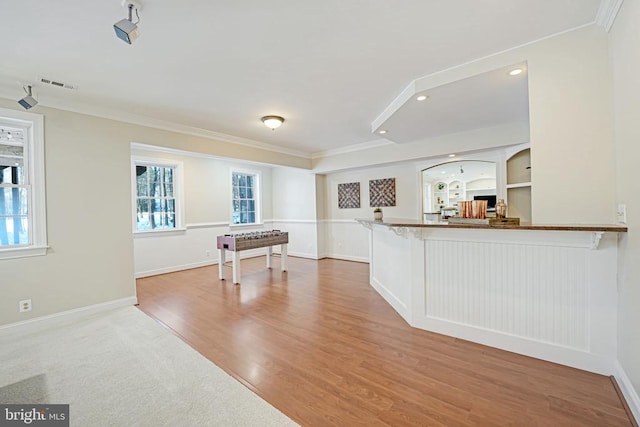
(126, 29)
(382, 132)
(452, 155)
(515, 71)
(272, 122)
(28, 101)
(421, 97)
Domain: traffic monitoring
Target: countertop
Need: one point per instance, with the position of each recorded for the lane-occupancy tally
(416, 223)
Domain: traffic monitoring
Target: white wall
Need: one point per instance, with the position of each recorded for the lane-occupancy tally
(346, 239)
(207, 212)
(625, 41)
(289, 202)
(295, 207)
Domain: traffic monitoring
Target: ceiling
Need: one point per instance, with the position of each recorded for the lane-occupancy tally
(329, 67)
(485, 100)
(465, 171)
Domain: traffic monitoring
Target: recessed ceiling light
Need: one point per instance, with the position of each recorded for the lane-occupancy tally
(421, 97)
(382, 132)
(444, 171)
(452, 155)
(515, 71)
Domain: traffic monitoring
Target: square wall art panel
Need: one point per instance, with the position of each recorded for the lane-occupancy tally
(382, 192)
(349, 195)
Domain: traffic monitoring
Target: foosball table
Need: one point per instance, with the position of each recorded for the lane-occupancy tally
(253, 240)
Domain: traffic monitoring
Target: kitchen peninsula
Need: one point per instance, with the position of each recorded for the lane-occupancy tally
(546, 291)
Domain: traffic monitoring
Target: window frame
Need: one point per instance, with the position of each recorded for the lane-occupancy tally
(178, 193)
(257, 174)
(34, 182)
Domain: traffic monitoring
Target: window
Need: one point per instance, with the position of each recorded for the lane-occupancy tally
(245, 197)
(22, 198)
(157, 192)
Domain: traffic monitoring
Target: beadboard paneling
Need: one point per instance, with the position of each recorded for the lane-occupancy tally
(536, 292)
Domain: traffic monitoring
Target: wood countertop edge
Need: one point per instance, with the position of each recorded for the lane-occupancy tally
(542, 227)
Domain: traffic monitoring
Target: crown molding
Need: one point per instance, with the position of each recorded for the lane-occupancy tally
(607, 13)
(136, 119)
(179, 152)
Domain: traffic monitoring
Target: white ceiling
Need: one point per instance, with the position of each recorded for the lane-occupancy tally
(329, 67)
(485, 100)
(464, 170)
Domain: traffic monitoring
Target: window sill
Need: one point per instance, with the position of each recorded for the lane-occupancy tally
(23, 252)
(157, 233)
(241, 226)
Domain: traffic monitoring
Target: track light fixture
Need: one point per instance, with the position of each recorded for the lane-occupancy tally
(28, 101)
(272, 122)
(126, 29)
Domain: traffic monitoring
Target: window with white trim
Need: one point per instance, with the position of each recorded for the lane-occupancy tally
(22, 197)
(157, 195)
(245, 197)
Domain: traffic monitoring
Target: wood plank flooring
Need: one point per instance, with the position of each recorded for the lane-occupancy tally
(322, 346)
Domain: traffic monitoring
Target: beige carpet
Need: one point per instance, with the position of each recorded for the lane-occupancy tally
(121, 368)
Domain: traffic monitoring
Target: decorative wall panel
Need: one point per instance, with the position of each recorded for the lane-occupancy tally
(349, 195)
(382, 192)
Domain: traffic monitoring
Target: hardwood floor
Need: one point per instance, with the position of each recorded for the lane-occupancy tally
(322, 346)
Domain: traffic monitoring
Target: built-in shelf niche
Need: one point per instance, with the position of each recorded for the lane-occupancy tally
(519, 185)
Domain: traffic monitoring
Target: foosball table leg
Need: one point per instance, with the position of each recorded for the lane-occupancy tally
(221, 261)
(236, 267)
(283, 256)
(269, 252)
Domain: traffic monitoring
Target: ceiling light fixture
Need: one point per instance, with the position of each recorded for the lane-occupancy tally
(515, 71)
(272, 122)
(452, 155)
(382, 132)
(421, 98)
(28, 101)
(126, 29)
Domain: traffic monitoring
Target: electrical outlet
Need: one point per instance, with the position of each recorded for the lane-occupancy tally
(621, 214)
(24, 305)
(207, 254)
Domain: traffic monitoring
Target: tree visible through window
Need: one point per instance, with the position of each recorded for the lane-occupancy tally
(14, 189)
(155, 199)
(23, 213)
(244, 189)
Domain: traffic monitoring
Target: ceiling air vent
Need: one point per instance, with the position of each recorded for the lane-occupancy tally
(57, 83)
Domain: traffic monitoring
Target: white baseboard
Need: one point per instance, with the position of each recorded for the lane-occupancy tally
(629, 392)
(349, 258)
(303, 255)
(44, 322)
(397, 305)
(246, 254)
(174, 268)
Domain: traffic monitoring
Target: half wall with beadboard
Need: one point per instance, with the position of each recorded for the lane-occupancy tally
(545, 294)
